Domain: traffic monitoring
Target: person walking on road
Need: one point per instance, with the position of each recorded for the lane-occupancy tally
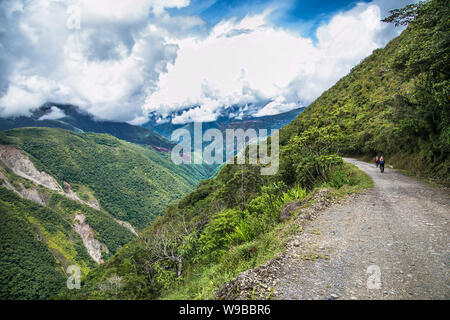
(381, 162)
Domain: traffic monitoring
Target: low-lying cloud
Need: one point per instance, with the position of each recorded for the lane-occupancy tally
(54, 114)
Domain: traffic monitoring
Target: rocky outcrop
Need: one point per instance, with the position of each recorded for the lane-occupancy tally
(30, 194)
(127, 225)
(288, 209)
(252, 284)
(92, 245)
(21, 165)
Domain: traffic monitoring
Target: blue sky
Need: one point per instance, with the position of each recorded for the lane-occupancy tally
(123, 62)
(292, 14)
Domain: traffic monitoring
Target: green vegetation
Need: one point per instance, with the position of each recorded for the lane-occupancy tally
(395, 102)
(49, 231)
(133, 183)
(22, 277)
(36, 245)
(205, 241)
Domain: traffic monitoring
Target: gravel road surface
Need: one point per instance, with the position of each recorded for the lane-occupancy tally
(390, 242)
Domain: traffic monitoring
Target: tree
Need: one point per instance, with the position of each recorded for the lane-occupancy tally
(166, 244)
(404, 16)
(310, 156)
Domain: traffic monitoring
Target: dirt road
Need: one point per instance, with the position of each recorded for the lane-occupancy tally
(391, 242)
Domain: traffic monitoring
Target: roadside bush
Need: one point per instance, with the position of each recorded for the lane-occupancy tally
(338, 178)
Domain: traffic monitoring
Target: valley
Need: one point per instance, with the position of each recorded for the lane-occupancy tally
(106, 196)
(62, 187)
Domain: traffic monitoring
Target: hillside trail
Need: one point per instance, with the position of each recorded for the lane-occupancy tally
(389, 242)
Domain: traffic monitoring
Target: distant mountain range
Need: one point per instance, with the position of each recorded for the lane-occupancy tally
(152, 133)
(226, 121)
(70, 117)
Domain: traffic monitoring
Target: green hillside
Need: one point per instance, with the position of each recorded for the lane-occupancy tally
(38, 243)
(133, 183)
(28, 269)
(38, 240)
(395, 102)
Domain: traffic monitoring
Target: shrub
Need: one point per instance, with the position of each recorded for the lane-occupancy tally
(338, 178)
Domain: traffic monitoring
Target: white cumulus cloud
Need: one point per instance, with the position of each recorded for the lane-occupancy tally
(251, 60)
(105, 56)
(122, 62)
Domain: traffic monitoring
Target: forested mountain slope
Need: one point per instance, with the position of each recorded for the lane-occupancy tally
(396, 102)
(45, 229)
(38, 243)
(73, 199)
(131, 182)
